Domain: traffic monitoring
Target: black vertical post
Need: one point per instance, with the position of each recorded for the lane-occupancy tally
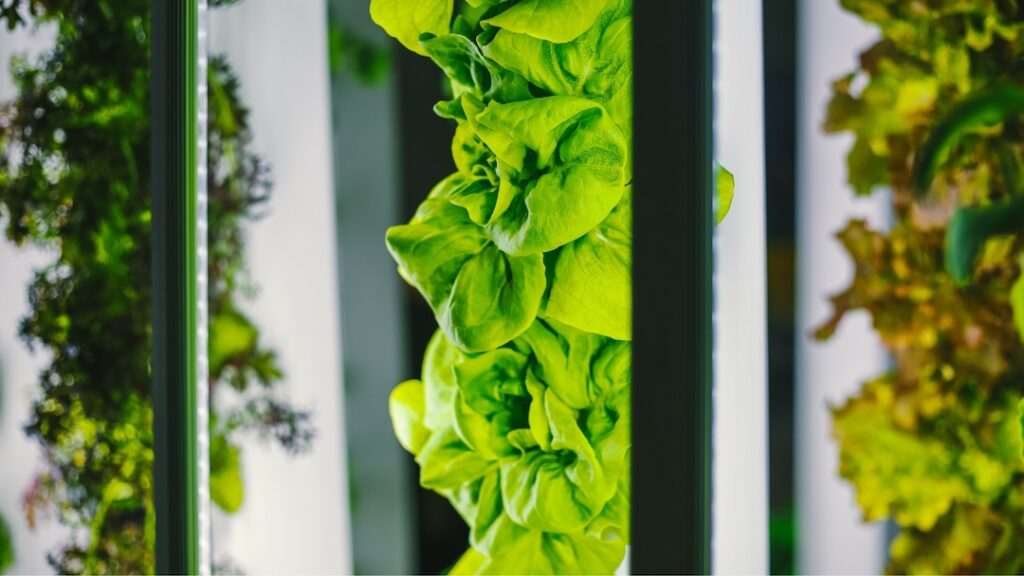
(174, 152)
(780, 96)
(672, 302)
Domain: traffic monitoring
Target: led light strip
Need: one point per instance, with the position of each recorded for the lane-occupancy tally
(202, 302)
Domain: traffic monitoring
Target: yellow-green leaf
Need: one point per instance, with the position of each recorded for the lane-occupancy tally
(725, 187)
(407, 20)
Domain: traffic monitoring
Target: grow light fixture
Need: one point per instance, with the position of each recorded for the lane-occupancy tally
(202, 299)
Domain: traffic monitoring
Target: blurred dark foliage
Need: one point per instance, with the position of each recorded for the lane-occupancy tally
(349, 52)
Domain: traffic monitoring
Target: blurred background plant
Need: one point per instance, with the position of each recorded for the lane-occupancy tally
(935, 445)
(350, 52)
(74, 179)
(6, 546)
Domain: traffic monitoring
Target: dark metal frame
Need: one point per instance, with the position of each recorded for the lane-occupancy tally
(174, 156)
(780, 67)
(672, 302)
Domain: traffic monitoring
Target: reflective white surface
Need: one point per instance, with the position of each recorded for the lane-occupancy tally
(295, 516)
(740, 454)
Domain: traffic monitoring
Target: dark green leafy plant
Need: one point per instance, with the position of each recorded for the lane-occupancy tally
(13, 11)
(74, 179)
(936, 444)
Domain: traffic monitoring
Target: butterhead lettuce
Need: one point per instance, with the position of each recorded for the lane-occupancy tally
(521, 417)
(530, 443)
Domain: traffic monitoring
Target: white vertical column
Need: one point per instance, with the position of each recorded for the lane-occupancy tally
(832, 539)
(295, 516)
(740, 453)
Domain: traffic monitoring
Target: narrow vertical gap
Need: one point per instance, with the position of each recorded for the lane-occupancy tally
(780, 45)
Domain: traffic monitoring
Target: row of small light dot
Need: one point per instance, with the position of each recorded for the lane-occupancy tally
(202, 310)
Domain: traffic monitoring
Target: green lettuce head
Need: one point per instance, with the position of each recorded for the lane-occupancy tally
(535, 176)
(539, 219)
(530, 442)
(522, 416)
